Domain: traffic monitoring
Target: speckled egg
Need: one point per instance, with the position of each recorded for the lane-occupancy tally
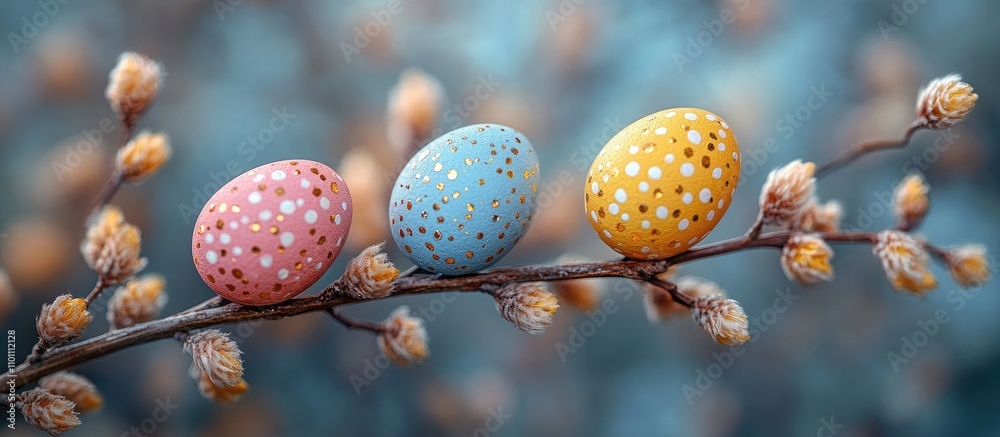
(465, 199)
(271, 232)
(661, 184)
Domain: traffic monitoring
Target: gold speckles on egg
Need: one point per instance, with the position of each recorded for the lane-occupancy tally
(665, 181)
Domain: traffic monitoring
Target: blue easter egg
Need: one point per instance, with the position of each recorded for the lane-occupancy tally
(465, 199)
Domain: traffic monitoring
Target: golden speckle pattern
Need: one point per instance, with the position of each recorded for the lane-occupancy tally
(662, 184)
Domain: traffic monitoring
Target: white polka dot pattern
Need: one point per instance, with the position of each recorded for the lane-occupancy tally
(661, 184)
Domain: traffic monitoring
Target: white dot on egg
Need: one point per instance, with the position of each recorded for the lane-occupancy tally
(209, 238)
(687, 169)
(324, 203)
(724, 124)
(645, 224)
(278, 175)
(336, 219)
(709, 117)
(661, 212)
(225, 238)
(606, 178)
(660, 131)
(594, 188)
(319, 266)
(736, 156)
(722, 147)
(254, 197)
(645, 249)
(683, 224)
(340, 241)
(669, 159)
(625, 217)
(633, 149)
(233, 225)
(705, 195)
(311, 216)
(211, 257)
(304, 183)
(654, 173)
(632, 168)
(690, 116)
(717, 173)
(343, 205)
(711, 215)
(265, 261)
(299, 202)
(722, 133)
(613, 208)
(643, 186)
(258, 178)
(670, 114)
(721, 202)
(287, 206)
(607, 234)
(245, 220)
(283, 274)
(620, 195)
(593, 215)
(694, 137)
(265, 215)
(687, 198)
(692, 241)
(287, 238)
(237, 251)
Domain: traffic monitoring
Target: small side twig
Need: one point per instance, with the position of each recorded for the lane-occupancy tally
(350, 323)
(866, 148)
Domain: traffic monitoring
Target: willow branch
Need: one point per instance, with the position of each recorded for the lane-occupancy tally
(863, 149)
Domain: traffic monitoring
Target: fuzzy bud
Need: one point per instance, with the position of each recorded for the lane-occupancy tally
(111, 247)
(527, 305)
(414, 106)
(968, 265)
(370, 275)
(221, 395)
(818, 217)
(905, 261)
(945, 102)
(910, 201)
(63, 320)
(216, 355)
(75, 388)
(142, 156)
(722, 318)
(786, 192)
(140, 300)
(660, 305)
(806, 259)
(48, 412)
(132, 86)
(403, 338)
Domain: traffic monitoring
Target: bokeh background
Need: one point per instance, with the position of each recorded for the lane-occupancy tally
(568, 74)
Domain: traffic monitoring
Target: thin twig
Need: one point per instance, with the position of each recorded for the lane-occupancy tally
(671, 288)
(98, 288)
(866, 148)
(350, 323)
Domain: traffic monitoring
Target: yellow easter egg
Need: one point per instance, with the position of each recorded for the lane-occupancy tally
(662, 184)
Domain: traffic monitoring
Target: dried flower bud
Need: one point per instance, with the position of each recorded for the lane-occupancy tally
(527, 305)
(786, 191)
(217, 355)
(414, 105)
(142, 156)
(140, 300)
(75, 388)
(63, 320)
(944, 102)
(48, 412)
(111, 247)
(910, 201)
(818, 217)
(403, 339)
(8, 296)
(905, 261)
(722, 318)
(583, 294)
(132, 86)
(968, 265)
(370, 275)
(806, 259)
(221, 395)
(660, 305)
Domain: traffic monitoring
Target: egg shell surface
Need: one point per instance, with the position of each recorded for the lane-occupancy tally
(271, 232)
(661, 184)
(463, 201)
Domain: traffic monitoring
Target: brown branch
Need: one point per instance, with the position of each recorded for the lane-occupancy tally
(211, 313)
(866, 148)
(349, 323)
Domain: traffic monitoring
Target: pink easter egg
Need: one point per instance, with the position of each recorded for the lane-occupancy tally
(271, 232)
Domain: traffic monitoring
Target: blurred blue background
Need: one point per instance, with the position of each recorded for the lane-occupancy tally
(568, 74)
